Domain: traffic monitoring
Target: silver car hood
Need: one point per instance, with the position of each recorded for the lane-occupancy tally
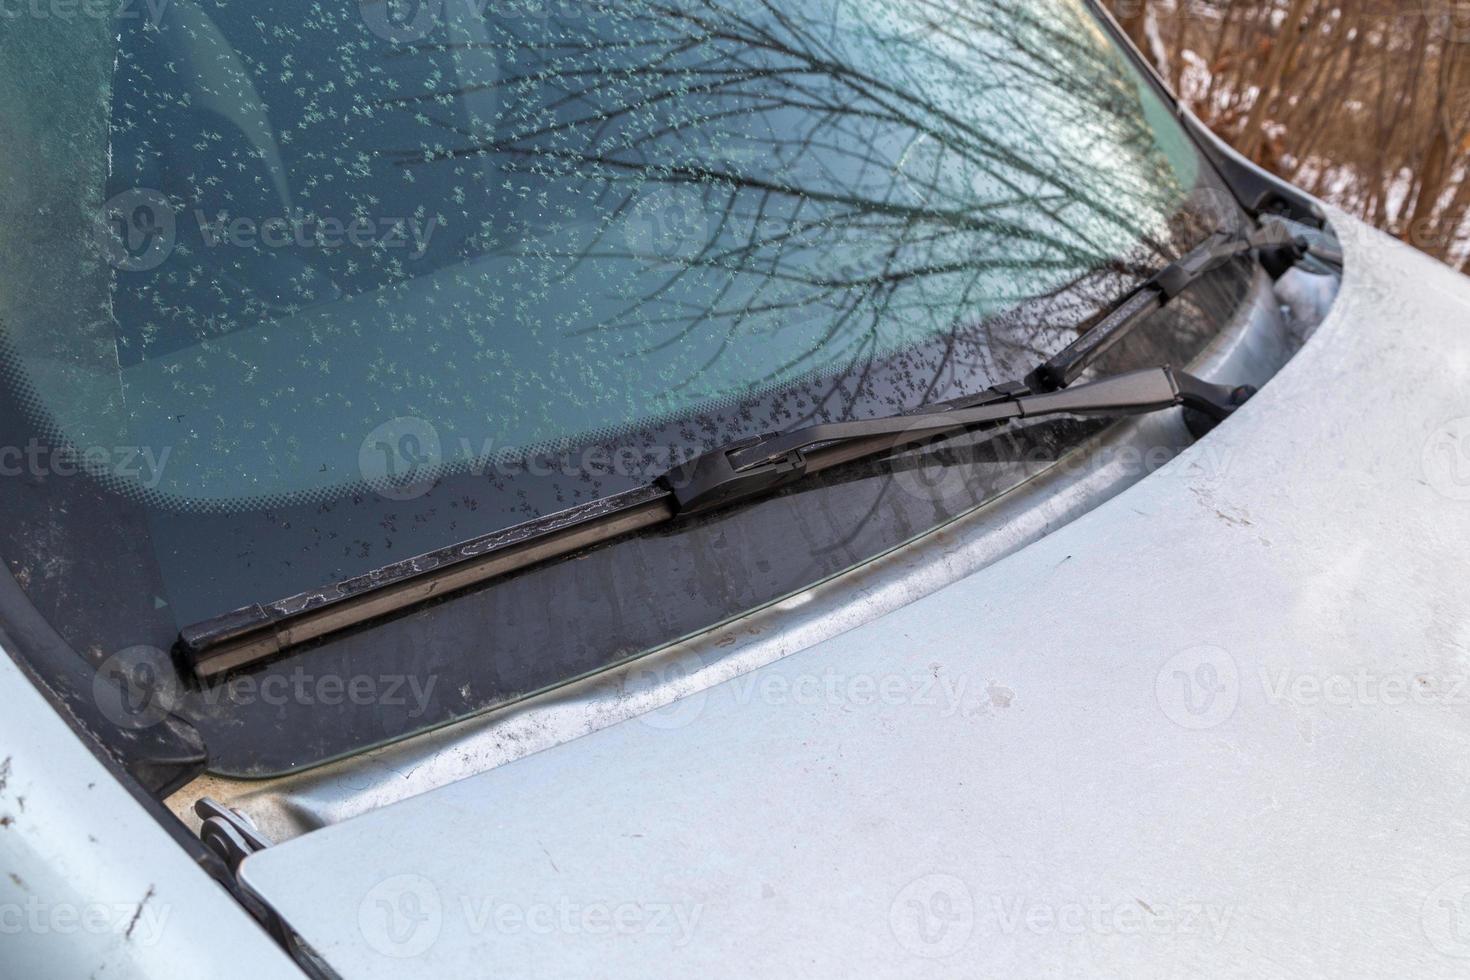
(1219, 725)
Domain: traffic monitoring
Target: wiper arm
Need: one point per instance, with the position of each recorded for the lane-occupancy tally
(756, 467)
(735, 473)
(1275, 247)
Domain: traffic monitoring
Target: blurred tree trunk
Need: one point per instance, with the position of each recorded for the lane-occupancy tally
(1283, 52)
(1426, 226)
(1133, 17)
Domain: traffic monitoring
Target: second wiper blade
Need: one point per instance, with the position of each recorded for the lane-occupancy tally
(1069, 363)
(757, 467)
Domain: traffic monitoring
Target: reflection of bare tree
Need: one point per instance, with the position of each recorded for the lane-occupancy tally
(835, 174)
(659, 223)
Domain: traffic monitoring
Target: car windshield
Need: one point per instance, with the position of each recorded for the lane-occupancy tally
(303, 289)
(349, 242)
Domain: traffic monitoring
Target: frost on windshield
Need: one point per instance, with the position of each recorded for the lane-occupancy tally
(513, 225)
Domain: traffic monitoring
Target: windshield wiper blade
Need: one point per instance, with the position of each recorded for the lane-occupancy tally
(756, 467)
(260, 631)
(732, 474)
(1273, 245)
